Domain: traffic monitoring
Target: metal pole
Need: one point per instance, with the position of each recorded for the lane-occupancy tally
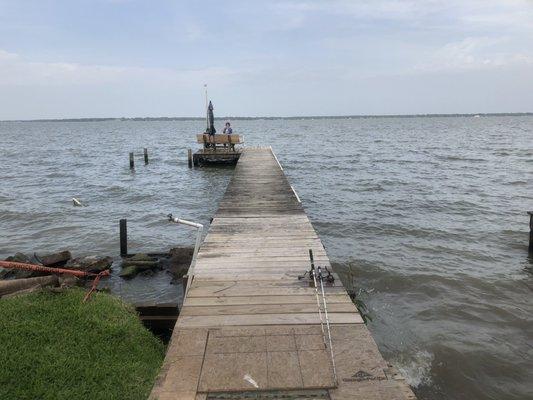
(145, 156)
(132, 161)
(200, 229)
(194, 256)
(123, 237)
(206, 110)
(189, 156)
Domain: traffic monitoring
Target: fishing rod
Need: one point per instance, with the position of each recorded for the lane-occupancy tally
(321, 279)
(312, 272)
(316, 274)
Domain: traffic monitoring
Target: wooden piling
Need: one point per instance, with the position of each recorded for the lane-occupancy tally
(132, 161)
(530, 231)
(189, 156)
(123, 237)
(145, 156)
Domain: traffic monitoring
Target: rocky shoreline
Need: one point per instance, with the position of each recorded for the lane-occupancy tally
(14, 281)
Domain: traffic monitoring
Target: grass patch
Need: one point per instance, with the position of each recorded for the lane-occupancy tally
(53, 346)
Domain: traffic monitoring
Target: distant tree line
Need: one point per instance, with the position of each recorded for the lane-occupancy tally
(282, 118)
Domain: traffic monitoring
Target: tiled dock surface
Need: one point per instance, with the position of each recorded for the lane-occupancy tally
(248, 327)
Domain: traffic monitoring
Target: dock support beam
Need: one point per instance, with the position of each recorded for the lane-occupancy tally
(184, 284)
(145, 156)
(123, 237)
(132, 161)
(189, 156)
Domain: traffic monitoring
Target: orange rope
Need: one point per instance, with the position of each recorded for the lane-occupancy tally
(95, 284)
(75, 272)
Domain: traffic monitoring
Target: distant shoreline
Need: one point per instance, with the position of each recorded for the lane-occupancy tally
(528, 114)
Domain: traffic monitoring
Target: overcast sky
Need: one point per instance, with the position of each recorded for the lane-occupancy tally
(113, 58)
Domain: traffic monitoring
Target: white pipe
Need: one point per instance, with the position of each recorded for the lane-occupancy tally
(185, 222)
(272, 151)
(296, 194)
(200, 229)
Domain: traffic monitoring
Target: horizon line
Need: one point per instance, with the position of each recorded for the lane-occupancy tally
(161, 118)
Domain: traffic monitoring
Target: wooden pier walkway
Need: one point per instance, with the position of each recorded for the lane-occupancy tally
(249, 328)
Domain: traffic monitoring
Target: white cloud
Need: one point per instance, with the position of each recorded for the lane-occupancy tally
(381, 9)
(474, 53)
(453, 16)
(7, 56)
(193, 32)
(509, 16)
(15, 70)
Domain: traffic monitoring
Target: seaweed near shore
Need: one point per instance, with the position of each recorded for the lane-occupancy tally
(360, 304)
(354, 293)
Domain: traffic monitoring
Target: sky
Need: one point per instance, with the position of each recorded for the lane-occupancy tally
(122, 58)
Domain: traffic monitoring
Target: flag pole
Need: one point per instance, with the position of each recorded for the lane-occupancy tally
(206, 110)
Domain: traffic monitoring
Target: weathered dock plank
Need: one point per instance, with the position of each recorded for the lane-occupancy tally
(248, 323)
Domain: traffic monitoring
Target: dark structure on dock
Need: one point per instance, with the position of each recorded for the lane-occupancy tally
(217, 149)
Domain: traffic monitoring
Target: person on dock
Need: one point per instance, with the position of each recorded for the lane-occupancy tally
(227, 129)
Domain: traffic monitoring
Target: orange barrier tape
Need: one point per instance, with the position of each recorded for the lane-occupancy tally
(42, 268)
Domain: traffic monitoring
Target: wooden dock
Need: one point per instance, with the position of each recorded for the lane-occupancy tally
(217, 149)
(218, 156)
(249, 328)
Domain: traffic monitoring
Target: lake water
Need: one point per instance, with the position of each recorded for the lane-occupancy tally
(427, 214)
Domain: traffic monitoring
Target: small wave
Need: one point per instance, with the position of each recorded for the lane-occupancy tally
(459, 158)
(515, 183)
(417, 369)
(60, 175)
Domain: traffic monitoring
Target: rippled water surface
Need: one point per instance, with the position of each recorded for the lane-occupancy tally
(425, 215)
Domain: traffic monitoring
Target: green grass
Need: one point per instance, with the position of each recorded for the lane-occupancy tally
(53, 346)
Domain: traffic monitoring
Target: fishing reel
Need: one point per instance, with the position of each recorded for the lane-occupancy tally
(329, 278)
(316, 273)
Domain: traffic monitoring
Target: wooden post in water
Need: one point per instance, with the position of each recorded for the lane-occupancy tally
(530, 231)
(132, 161)
(189, 156)
(123, 237)
(145, 156)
